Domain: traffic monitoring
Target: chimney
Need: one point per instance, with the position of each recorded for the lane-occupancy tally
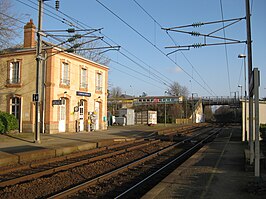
(29, 35)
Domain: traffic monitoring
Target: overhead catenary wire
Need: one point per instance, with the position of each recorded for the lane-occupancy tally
(147, 40)
(80, 24)
(244, 50)
(157, 76)
(137, 78)
(225, 47)
(58, 19)
(193, 67)
(112, 41)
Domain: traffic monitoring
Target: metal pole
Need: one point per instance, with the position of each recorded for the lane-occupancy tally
(165, 111)
(192, 109)
(245, 117)
(38, 63)
(257, 135)
(42, 130)
(249, 50)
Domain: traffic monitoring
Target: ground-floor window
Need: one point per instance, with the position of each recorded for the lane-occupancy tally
(15, 108)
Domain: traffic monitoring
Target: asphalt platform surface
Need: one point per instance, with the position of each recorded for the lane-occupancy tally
(218, 170)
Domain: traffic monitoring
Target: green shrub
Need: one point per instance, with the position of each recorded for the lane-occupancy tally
(2, 127)
(9, 121)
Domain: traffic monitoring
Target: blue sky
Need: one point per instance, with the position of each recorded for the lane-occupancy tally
(202, 70)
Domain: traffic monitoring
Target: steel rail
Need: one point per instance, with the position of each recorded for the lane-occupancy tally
(168, 164)
(55, 169)
(84, 185)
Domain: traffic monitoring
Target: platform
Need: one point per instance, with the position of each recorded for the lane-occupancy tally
(216, 171)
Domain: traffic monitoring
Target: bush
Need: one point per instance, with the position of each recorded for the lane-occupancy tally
(2, 127)
(9, 121)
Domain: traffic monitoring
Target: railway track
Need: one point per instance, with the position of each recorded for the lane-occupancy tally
(144, 170)
(32, 171)
(51, 177)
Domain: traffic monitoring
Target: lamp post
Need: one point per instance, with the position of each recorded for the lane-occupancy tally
(240, 86)
(193, 107)
(165, 92)
(244, 137)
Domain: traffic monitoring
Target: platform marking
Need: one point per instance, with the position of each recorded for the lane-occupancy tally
(215, 169)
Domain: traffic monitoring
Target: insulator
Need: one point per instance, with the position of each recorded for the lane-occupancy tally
(71, 39)
(197, 24)
(78, 36)
(57, 4)
(197, 45)
(71, 30)
(76, 45)
(195, 33)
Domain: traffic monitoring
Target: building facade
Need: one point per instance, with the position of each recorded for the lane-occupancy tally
(72, 89)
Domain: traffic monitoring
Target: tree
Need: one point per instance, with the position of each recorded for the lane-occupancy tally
(177, 90)
(115, 92)
(8, 24)
(90, 51)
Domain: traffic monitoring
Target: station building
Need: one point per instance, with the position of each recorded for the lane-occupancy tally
(71, 87)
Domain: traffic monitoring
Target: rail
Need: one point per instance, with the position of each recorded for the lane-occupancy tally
(102, 177)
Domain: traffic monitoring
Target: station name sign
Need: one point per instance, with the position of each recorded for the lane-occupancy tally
(57, 102)
(85, 94)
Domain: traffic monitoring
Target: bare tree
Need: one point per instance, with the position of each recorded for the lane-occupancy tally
(115, 92)
(8, 24)
(177, 90)
(90, 50)
(94, 54)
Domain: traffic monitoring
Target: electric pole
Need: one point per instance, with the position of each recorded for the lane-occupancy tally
(38, 63)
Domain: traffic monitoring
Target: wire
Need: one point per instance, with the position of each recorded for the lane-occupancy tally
(147, 40)
(244, 51)
(137, 78)
(12, 18)
(175, 44)
(76, 21)
(225, 46)
(85, 25)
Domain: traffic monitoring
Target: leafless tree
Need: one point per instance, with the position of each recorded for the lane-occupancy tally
(177, 90)
(90, 50)
(115, 92)
(8, 24)
(93, 54)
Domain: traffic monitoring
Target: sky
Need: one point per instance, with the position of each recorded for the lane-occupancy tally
(142, 64)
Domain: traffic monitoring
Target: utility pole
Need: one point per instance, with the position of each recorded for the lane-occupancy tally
(249, 55)
(38, 63)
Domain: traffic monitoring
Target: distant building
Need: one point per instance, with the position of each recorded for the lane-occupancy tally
(73, 87)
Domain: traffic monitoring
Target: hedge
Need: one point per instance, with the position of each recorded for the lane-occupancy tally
(8, 122)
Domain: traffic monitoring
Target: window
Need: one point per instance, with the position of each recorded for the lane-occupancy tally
(83, 78)
(99, 80)
(15, 107)
(14, 72)
(65, 74)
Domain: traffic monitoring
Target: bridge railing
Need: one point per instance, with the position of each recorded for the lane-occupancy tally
(220, 100)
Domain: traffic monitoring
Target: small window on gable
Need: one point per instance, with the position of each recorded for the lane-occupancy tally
(14, 72)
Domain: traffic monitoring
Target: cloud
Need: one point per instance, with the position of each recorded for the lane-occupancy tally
(175, 69)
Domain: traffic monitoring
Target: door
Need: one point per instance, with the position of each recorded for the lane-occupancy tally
(81, 115)
(62, 116)
(97, 114)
